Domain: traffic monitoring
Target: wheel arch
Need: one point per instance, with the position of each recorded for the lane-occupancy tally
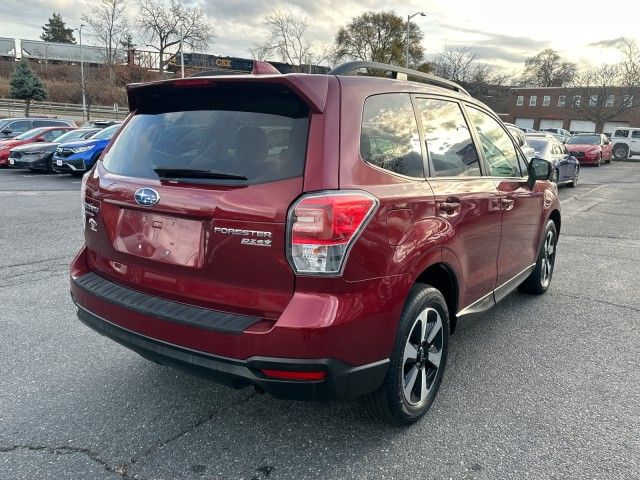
(442, 277)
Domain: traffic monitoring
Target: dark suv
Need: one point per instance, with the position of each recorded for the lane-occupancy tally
(315, 236)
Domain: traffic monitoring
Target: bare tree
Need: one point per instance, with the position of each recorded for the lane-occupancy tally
(485, 82)
(379, 37)
(630, 64)
(108, 27)
(548, 69)
(602, 94)
(164, 22)
(286, 38)
(458, 64)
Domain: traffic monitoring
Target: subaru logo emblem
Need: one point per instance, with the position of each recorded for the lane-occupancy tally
(146, 196)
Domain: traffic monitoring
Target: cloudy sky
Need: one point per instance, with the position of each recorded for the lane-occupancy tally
(504, 33)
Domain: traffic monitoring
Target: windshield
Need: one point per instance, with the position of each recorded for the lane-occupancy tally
(257, 132)
(105, 134)
(537, 144)
(30, 134)
(584, 140)
(72, 135)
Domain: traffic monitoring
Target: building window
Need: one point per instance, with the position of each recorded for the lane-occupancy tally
(533, 100)
(627, 100)
(610, 101)
(561, 100)
(576, 100)
(593, 100)
(520, 101)
(546, 100)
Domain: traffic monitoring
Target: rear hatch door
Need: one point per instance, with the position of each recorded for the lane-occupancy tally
(194, 191)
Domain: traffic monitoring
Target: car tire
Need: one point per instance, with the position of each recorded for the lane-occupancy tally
(620, 152)
(540, 278)
(574, 183)
(417, 362)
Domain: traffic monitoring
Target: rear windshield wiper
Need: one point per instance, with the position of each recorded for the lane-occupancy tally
(173, 172)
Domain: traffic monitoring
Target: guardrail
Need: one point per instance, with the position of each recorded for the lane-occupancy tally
(15, 108)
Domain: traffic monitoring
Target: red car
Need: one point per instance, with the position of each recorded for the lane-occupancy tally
(42, 134)
(590, 148)
(315, 236)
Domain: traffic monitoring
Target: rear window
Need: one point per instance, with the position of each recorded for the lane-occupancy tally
(255, 131)
(538, 145)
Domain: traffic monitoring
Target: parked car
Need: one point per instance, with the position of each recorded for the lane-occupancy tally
(566, 169)
(561, 134)
(590, 148)
(626, 143)
(318, 269)
(78, 157)
(36, 135)
(38, 156)
(12, 127)
(100, 123)
(521, 139)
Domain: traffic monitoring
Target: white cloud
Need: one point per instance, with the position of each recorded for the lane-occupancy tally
(505, 33)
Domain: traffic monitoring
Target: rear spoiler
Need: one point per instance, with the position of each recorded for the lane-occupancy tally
(312, 89)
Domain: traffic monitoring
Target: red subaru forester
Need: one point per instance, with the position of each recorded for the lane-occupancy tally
(315, 236)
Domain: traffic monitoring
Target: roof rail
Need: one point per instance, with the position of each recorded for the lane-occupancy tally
(399, 73)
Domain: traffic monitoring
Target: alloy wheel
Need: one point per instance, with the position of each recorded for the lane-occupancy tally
(548, 258)
(422, 356)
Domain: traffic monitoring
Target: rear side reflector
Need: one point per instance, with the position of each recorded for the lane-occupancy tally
(322, 227)
(291, 375)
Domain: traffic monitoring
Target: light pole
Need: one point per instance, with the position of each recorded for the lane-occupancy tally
(409, 17)
(84, 100)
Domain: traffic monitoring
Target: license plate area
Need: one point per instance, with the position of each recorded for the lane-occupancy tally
(59, 163)
(161, 238)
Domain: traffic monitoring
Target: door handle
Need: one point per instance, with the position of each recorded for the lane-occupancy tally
(507, 203)
(450, 207)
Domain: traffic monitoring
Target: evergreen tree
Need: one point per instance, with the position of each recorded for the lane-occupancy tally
(55, 30)
(26, 85)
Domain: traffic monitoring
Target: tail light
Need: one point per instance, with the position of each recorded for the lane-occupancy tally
(322, 227)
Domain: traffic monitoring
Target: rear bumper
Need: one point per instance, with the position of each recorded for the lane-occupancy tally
(341, 381)
(348, 335)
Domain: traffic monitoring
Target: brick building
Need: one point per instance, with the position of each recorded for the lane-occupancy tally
(548, 107)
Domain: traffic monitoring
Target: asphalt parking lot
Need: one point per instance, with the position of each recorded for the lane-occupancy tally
(540, 387)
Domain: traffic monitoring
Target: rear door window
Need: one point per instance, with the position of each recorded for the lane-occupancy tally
(255, 131)
(448, 139)
(389, 136)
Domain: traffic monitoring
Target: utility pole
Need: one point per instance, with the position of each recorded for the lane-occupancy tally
(84, 99)
(182, 51)
(409, 17)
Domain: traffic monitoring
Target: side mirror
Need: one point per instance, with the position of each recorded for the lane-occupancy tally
(7, 131)
(539, 169)
(39, 139)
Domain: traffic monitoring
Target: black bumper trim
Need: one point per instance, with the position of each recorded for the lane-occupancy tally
(171, 311)
(342, 381)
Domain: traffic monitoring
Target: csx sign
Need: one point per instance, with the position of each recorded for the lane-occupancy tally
(223, 62)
